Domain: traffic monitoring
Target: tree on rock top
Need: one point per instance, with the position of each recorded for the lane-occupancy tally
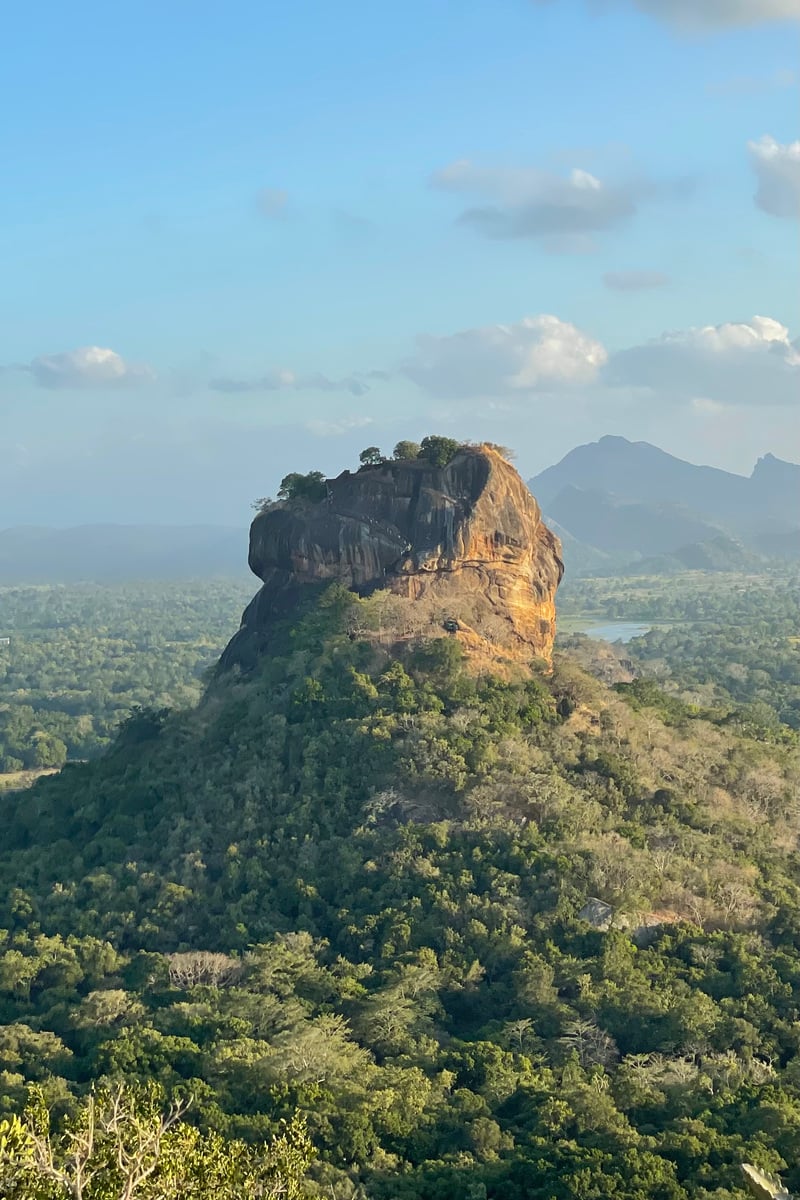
(406, 451)
(303, 487)
(371, 457)
(439, 451)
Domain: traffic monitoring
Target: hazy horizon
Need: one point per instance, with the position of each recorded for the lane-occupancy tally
(245, 518)
(240, 248)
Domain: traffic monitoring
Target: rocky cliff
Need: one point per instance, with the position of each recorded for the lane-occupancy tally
(465, 541)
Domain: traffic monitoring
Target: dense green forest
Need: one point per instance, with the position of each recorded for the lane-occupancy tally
(80, 657)
(344, 898)
(730, 641)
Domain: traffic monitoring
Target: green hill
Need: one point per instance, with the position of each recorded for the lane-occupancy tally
(361, 883)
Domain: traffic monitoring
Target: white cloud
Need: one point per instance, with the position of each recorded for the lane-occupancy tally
(87, 367)
(736, 363)
(524, 202)
(777, 169)
(286, 380)
(634, 281)
(538, 353)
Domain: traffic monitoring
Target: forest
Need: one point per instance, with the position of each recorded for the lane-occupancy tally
(80, 657)
(364, 924)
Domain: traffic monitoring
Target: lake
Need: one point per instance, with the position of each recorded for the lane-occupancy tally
(617, 631)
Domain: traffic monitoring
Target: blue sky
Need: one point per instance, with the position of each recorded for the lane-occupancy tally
(239, 240)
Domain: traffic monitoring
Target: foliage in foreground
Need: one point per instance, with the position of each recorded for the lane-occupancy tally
(121, 1144)
(348, 886)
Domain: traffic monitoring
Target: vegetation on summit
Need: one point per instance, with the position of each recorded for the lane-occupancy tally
(311, 487)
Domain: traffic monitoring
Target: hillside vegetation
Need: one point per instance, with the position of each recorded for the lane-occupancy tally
(346, 890)
(730, 641)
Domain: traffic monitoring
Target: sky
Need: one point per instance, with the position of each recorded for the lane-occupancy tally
(240, 240)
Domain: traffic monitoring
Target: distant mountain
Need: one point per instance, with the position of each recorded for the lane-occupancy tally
(584, 559)
(614, 525)
(774, 488)
(117, 553)
(639, 472)
(621, 497)
(718, 554)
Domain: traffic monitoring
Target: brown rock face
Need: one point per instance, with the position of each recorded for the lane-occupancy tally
(466, 540)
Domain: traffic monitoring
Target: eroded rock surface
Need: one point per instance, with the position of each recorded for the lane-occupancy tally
(466, 540)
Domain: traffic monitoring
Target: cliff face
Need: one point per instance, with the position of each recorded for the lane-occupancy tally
(467, 541)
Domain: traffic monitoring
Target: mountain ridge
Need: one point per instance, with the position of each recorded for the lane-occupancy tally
(634, 498)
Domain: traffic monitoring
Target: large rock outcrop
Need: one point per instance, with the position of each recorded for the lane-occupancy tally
(466, 541)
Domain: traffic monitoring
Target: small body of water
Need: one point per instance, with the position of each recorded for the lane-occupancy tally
(617, 631)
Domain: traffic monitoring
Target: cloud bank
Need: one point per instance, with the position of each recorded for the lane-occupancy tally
(736, 363)
(732, 364)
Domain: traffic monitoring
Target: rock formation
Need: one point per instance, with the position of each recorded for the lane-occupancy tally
(466, 540)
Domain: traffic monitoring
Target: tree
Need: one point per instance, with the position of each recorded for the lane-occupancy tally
(406, 451)
(262, 504)
(198, 967)
(48, 751)
(591, 1043)
(439, 451)
(371, 457)
(295, 486)
(121, 1144)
